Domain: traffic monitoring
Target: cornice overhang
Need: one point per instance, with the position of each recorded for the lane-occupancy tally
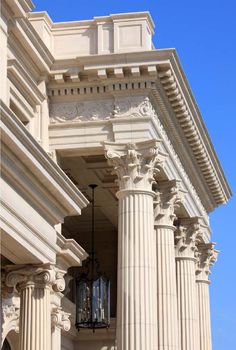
(33, 44)
(160, 72)
(58, 190)
(19, 8)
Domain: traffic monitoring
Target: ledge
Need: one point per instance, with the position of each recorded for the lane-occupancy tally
(46, 176)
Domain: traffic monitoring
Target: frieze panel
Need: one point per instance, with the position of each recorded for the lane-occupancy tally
(81, 111)
(135, 106)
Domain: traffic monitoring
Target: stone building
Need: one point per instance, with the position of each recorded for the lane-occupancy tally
(94, 102)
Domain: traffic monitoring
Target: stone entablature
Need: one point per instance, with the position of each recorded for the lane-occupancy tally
(103, 35)
(158, 71)
(121, 109)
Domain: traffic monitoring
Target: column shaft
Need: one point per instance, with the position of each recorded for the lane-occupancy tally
(187, 304)
(166, 290)
(136, 302)
(206, 257)
(35, 318)
(204, 315)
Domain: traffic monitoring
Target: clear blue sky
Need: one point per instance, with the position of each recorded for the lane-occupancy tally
(204, 34)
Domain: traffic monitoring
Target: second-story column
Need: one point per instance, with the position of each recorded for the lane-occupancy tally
(134, 165)
(207, 255)
(168, 198)
(185, 237)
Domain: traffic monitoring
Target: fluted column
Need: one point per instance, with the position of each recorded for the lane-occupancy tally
(134, 165)
(186, 235)
(168, 198)
(207, 255)
(34, 284)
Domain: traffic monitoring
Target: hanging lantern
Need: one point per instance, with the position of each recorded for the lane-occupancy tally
(92, 290)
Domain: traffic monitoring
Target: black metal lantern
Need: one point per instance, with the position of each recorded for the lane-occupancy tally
(92, 290)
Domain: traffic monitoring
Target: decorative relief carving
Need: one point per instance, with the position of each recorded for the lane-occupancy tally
(206, 257)
(186, 236)
(168, 197)
(10, 316)
(60, 319)
(81, 111)
(135, 164)
(135, 106)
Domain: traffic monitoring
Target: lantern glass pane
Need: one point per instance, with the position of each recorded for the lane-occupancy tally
(93, 303)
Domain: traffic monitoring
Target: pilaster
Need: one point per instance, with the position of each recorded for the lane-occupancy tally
(206, 256)
(168, 198)
(135, 166)
(185, 237)
(60, 322)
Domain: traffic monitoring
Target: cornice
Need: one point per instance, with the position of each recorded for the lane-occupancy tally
(19, 8)
(24, 82)
(67, 198)
(33, 44)
(158, 71)
(192, 125)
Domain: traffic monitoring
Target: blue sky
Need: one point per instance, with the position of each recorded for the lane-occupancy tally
(204, 35)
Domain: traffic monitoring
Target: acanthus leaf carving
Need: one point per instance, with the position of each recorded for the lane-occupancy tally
(135, 106)
(62, 112)
(10, 316)
(118, 107)
(135, 164)
(186, 237)
(60, 319)
(169, 197)
(206, 257)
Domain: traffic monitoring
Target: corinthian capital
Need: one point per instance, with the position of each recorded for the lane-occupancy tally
(168, 197)
(60, 319)
(37, 275)
(135, 164)
(206, 257)
(186, 237)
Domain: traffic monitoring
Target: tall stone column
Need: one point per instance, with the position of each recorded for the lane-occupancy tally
(185, 237)
(207, 255)
(168, 198)
(134, 165)
(34, 284)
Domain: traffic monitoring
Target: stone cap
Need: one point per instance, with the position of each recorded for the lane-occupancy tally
(116, 33)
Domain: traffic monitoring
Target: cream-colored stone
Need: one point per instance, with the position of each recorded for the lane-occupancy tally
(64, 99)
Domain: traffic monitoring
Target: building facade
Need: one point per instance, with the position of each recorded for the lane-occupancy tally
(94, 102)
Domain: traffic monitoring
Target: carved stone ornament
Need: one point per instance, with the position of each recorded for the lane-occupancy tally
(206, 257)
(60, 319)
(186, 236)
(39, 276)
(135, 164)
(168, 197)
(134, 106)
(81, 111)
(10, 318)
